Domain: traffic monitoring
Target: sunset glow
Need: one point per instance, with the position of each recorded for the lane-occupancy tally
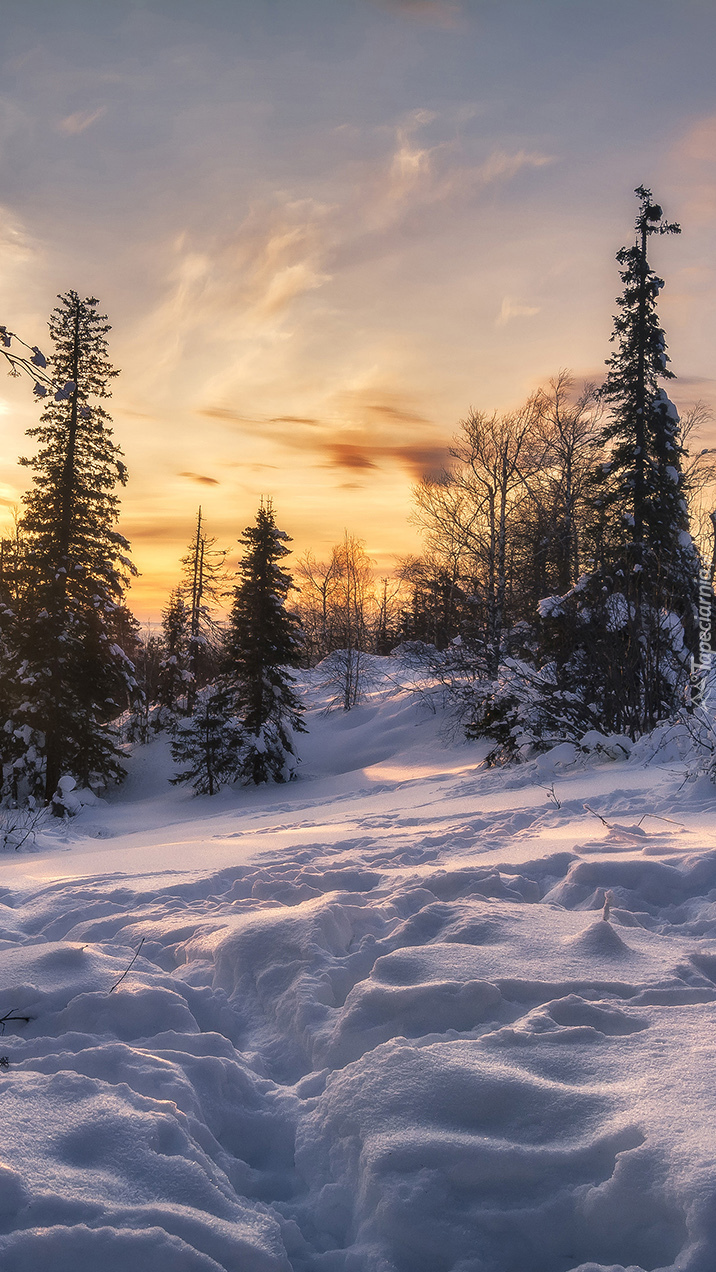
(322, 231)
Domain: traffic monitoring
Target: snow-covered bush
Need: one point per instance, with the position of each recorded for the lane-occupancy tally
(528, 710)
(19, 826)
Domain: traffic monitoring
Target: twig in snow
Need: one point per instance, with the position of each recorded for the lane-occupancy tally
(19, 826)
(658, 818)
(599, 815)
(129, 967)
(551, 794)
(9, 1016)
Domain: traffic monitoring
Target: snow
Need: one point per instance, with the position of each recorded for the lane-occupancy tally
(550, 606)
(377, 1022)
(663, 402)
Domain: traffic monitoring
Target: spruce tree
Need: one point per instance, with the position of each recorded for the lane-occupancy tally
(622, 634)
(141, 722)
(642, 494)
(203, 585)
(262, 642)
(208, 743)
(174, 666)
(74, 570)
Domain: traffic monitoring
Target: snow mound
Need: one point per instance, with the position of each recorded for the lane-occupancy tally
(602, 939)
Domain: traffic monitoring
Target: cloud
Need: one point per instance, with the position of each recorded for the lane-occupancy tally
(80, 121)
(410, 163)
(347, 455)
(413, 189)
(396, 414)
(168, 528)
(362, 429)
(380, 428)
(439, 13)
(232, 296)
(503, 164)
(510, 309)
(418, 459)
(235, 300)
(15, 245)
(694, 160)
(695, 381)
(203, 481)
(422, 460)
(293, 419)
(227, 413)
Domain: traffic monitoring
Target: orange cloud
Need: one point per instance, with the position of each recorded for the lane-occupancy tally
(226, 413)
(418, 459)
(370, 428)
(292, 419)
(203, 481)
(347, 455)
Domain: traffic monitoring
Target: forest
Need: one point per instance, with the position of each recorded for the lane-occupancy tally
(565, 588)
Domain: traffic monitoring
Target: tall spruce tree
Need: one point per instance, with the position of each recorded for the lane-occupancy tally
(642, 495)
(262, 642)
(74, 571)
(624, 632)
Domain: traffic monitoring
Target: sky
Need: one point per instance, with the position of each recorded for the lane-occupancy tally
(324, 230)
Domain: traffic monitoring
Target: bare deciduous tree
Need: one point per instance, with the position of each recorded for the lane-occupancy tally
(468, 511)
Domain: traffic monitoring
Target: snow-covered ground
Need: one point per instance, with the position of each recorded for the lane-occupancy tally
(377, 1022)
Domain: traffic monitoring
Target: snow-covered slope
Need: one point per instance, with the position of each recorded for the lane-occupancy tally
(377, 1022)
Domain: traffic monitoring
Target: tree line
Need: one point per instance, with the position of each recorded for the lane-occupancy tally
(560, 590)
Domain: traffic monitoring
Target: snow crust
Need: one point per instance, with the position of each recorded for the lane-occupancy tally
(377, 1022)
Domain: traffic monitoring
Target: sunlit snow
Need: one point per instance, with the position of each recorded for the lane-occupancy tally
(378, 1021)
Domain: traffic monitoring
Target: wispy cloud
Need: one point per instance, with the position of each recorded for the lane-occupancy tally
(365, 452)
(503, 164)
(236, 289)
(694, 161)
(80, 121)
(441, 13)
(15, 245)
(511, 309)
(293, 419)
(241, 300)
(202, 481)
(364, 429)
(349, 455)
(227, 414)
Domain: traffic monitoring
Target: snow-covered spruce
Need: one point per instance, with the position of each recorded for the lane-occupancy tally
(71, 677)
(262, 642)
(208, 743)
(630, 625)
